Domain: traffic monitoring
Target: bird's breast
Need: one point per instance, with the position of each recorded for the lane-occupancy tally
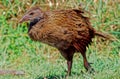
(58, 38)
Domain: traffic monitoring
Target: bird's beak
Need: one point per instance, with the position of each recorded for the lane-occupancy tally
(23, 19)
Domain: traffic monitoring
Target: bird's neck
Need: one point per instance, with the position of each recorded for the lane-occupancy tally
(33, 22)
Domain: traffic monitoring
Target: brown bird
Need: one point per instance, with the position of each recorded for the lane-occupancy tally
(67, 30)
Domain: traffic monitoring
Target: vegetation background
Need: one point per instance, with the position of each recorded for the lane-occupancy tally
(40, 61)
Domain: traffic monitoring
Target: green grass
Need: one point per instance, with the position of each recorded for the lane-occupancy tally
(40, 61)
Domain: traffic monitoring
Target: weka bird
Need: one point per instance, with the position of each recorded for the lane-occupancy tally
(67, 30)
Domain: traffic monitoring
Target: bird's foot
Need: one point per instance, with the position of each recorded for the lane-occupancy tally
(89, 68)
(91, 71)
(68, 73)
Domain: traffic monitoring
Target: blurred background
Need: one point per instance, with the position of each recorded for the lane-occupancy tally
(40, 61)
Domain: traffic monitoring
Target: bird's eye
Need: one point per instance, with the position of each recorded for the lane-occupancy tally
(31, 13)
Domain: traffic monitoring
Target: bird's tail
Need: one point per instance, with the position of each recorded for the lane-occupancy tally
(105, 35)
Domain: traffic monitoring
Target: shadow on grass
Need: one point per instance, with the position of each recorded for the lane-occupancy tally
(63, 76)
(52, 77)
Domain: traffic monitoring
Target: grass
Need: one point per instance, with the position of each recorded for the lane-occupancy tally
(40, 61)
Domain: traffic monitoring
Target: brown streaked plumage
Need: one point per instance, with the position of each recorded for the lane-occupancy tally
(67, 30)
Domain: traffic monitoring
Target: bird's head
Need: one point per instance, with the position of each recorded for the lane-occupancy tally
(33, 13)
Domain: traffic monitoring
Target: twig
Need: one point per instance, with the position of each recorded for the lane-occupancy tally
(11, 72)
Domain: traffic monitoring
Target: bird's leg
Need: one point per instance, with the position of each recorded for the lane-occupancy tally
(86, 63)
(69, 58)
(68, 55)
(69, 64)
